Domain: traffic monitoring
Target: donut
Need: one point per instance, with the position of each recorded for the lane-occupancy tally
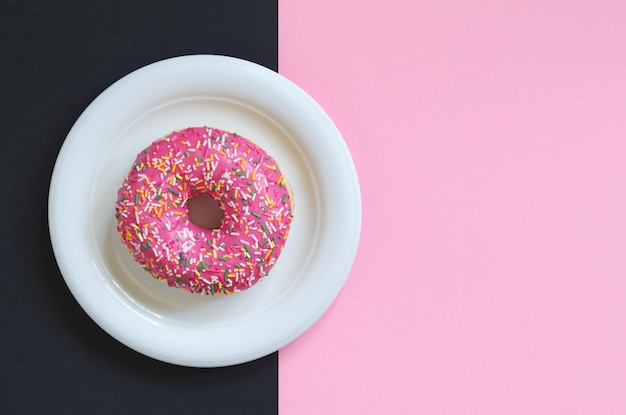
(153, 219)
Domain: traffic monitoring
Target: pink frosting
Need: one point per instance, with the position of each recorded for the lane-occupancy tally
(153, 219)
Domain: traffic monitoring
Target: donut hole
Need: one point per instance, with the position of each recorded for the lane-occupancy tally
(205, 212)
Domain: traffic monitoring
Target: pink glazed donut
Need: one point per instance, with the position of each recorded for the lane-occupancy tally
(153, 216)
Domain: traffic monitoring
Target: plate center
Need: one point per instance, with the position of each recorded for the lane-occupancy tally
(154, 299)
(205, 212)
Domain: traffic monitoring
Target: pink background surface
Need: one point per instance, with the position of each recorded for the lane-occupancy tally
(490, 142)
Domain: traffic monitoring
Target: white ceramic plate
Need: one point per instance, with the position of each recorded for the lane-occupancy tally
(168, 324)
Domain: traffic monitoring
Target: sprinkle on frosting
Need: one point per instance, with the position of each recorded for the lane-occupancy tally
(153, 220)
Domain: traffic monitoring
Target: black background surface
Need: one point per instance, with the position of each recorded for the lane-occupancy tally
(56, 57)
